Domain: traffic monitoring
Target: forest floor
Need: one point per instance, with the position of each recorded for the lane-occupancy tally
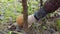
(48, 25)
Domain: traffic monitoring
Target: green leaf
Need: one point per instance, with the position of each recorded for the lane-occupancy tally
(58, 22)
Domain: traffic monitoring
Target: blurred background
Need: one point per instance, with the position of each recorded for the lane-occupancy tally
(10, 9)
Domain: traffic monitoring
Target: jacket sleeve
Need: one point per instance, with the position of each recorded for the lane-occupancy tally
(49, 7)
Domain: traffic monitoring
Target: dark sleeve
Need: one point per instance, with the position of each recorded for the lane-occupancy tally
(49, 7)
